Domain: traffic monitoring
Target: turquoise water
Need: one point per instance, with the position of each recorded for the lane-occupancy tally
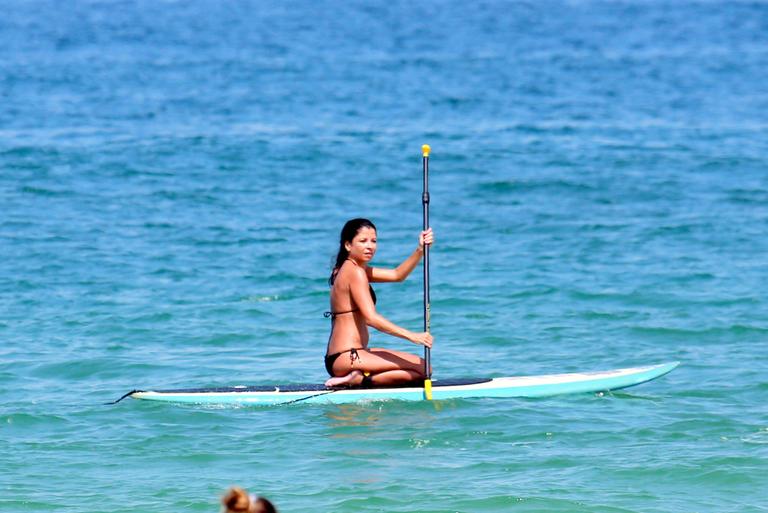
(173, 177)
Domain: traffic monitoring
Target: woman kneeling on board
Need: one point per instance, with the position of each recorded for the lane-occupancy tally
(348, 358)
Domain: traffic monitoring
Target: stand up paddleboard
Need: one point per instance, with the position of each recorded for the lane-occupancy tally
(522, 386)
(525, 386)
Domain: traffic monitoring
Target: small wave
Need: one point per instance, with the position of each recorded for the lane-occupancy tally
(263, 299)
(48, 193)
(27, 420)
(506, 186)
(735, 329)
(758, 438)
(748, 196)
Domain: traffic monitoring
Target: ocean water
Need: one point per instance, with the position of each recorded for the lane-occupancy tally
(173, 178)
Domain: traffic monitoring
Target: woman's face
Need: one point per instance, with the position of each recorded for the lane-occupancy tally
(363, 245)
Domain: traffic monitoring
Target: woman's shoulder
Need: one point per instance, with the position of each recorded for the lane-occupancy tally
(350, 271)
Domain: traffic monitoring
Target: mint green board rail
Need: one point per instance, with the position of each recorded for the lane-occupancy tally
(520, 386)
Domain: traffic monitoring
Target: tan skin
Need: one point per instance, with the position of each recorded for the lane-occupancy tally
(350, 292)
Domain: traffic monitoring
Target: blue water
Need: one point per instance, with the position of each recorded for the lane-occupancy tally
(173, 178)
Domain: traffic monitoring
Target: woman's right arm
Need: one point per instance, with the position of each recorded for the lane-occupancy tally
(358, 287)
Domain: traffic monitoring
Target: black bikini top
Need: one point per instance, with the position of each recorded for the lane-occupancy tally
(333, 315)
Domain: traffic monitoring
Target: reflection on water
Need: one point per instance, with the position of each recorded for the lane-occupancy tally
(368, 433)
(380, 417)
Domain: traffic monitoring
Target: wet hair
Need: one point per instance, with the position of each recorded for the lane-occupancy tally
(237, 500)
(348, 233)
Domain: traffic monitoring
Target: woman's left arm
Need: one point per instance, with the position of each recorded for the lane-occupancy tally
(401, 272)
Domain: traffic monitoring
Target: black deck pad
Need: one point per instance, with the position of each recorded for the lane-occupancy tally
(314, 387)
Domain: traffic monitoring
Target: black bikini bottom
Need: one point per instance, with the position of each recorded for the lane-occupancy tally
(330, 359)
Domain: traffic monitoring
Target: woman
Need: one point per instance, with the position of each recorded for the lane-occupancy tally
(348, 358)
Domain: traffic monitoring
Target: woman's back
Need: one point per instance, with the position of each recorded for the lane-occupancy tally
(349, 329)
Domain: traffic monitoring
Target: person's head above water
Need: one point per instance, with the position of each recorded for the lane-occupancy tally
(237, 500)
(355, 232)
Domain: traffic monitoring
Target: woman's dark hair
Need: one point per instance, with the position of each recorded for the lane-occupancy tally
(348, 233)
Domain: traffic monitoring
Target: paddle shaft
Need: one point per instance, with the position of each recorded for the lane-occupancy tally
(425, 209)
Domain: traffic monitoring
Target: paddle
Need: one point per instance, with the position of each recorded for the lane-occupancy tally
(425, 149)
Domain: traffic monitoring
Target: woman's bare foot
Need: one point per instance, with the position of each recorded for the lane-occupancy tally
(354, 377)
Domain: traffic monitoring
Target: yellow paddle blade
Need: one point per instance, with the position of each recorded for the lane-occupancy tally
(428, 389)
